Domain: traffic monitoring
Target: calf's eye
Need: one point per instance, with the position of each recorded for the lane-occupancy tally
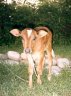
(34, 38)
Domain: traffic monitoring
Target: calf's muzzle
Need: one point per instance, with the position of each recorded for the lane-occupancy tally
(27, 50)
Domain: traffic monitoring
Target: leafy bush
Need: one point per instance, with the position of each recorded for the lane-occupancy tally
(56, 15)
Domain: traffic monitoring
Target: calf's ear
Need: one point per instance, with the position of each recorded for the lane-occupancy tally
(42, 33)
(15, 32)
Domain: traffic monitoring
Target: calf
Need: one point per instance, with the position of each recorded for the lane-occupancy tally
(36, 42)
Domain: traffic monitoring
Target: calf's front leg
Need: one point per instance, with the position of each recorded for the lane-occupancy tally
(30, 69)
(40, 69)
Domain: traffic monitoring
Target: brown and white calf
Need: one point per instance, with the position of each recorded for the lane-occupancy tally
(36, 42)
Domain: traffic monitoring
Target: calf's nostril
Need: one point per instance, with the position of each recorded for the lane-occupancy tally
(27, 50)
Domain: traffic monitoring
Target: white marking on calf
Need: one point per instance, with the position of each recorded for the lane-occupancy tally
(29, 32)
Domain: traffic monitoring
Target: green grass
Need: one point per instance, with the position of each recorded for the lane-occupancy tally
(11, 85)
(18, 48)
(63, 51)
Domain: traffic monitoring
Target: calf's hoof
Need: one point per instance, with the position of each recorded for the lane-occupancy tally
(39, 81)
(30, 85)
(49, 77)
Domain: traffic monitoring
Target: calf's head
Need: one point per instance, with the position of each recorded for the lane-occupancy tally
(29, 37)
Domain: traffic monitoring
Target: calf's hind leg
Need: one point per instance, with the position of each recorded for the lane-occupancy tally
(50, 63)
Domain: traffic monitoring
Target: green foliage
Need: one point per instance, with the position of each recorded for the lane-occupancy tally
(57, 15)
(5, 24)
